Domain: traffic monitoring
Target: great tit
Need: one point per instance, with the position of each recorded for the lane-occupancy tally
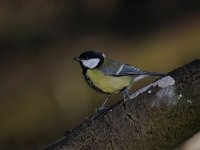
(109, 76)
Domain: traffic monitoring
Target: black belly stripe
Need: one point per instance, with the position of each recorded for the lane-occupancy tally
(90, 83)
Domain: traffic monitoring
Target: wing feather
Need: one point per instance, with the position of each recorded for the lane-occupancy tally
(115, 68)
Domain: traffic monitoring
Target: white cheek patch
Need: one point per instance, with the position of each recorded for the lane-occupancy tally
(91, 63)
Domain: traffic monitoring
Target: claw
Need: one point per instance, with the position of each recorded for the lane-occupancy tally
(126, 94)
(103, 106)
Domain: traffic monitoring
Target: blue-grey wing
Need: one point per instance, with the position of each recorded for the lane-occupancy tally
(130, 70)
(126, 69)
(115, 68)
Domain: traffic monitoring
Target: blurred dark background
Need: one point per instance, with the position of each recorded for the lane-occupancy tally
(42, 91)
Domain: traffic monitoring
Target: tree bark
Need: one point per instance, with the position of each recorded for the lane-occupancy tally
(156, 118)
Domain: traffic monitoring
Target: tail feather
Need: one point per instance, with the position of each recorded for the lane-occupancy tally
(154, 74)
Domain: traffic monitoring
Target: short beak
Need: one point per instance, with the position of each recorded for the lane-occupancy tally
(77, 58)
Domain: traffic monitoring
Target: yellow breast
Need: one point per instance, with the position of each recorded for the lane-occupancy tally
(109, 84)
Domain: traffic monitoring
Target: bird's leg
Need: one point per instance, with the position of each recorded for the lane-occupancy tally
(126, 94)
(103, 105)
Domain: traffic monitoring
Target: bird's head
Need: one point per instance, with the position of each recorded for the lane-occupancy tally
(90, 59)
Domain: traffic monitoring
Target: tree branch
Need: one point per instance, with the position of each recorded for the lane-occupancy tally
(157, 118)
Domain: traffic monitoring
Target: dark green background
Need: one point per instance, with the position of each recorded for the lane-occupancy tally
(42, 92)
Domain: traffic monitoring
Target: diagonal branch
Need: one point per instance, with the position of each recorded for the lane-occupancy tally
(161, 116)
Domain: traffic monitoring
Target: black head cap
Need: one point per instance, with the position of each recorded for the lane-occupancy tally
(91, 54)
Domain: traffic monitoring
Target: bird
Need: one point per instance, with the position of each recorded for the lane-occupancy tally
(109, 76)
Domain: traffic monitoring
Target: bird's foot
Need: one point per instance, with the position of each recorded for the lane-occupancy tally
(127, 94)
(102, 107)
(126, 97)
